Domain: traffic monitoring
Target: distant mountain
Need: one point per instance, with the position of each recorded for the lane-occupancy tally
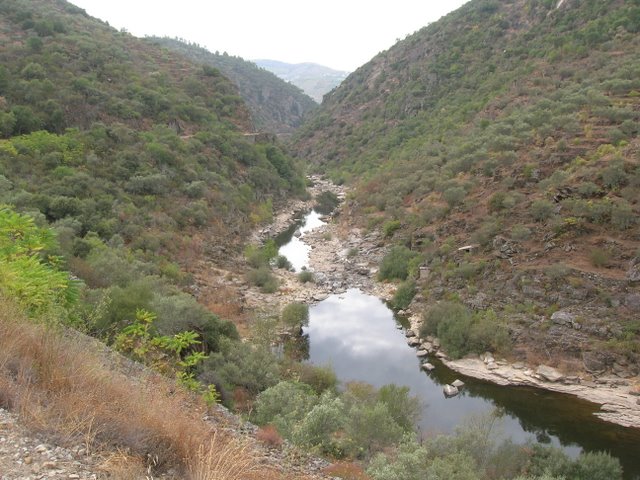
(276, 106)
(314, 79)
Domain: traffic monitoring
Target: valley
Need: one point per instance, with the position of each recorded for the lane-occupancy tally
(301, 286)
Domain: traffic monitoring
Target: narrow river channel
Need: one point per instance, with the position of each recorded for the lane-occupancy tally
(359, 336)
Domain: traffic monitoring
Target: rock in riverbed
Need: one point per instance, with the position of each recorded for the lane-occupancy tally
(450, 391)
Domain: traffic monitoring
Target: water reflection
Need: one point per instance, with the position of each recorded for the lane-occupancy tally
(292, 246)
(357, 335)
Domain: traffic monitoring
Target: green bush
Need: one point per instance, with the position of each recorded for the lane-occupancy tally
(320, 378)
(263, 278)
(599, 257)
(259, 256)
(305, 276)
(403, 295)
(622, 215)
(520, 233)
(284, 405)
(283, 262)
(319, 426)
(541, 210)
(396, 263)
(240, 364)
(454, 196)
(326, 202)
(295, 315)
(390, 227)
(462, 332)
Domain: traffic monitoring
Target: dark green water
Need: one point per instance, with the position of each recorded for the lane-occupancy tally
(358, 335)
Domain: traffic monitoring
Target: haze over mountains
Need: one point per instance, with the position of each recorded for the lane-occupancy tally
(316, 80)
(276, 106)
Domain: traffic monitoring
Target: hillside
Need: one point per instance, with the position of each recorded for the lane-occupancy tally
(509, 128)
(106, 133)
(275, 105)
(316, 80)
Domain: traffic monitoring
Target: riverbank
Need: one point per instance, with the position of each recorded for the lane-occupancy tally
(342, 258)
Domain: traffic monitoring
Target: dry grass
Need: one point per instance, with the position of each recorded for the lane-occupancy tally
(63, 389)
(222, 460)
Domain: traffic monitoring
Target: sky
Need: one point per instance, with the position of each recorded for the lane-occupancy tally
(341, 34)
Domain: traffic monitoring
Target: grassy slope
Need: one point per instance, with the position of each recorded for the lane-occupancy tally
(512, 120)
(276, 106)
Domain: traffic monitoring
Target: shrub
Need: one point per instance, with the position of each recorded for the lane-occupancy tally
(318, 427)
(496, 202)
(520, 233)
(326, 202)
(622, 216)
(240, 364)
(263, 278)
(260, 256)
(295, 315)
(599, 257)
(454, 196)
(305, 276)
(284, 405)
(614, 175)
(395, 264)
(440, 313)
(588, 189)
(283, 262)
(390, 227)
(461, 332)
(541, 210)
(409, 462)
(404, 294)
(556, 272)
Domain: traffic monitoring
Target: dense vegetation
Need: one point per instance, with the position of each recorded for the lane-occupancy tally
(511, 127)
(276, 106)
(123, 148)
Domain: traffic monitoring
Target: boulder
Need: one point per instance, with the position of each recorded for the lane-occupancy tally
(428, 366)
(594, 362)
(549, 374)
(410, 333)
(633, 274)
(458, 383)
(632, 302)
(562, 317)
(413, 341)
(450, 391)
(422, 353)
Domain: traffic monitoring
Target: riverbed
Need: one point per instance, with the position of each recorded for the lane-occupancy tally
(353, 330)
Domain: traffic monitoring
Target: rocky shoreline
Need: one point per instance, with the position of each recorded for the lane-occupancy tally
(342, 258)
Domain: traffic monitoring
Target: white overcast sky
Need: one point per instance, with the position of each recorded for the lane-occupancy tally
(341, 34)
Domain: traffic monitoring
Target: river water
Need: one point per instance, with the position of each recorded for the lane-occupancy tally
(359, 336)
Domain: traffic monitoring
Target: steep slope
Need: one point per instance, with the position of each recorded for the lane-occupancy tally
(316, 80)
(276, 106)
(106, 133)
(510, 127)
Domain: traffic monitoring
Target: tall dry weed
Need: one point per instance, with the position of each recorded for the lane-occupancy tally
(64, 389)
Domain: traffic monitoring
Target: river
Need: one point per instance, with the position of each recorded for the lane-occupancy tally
(359, 336)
